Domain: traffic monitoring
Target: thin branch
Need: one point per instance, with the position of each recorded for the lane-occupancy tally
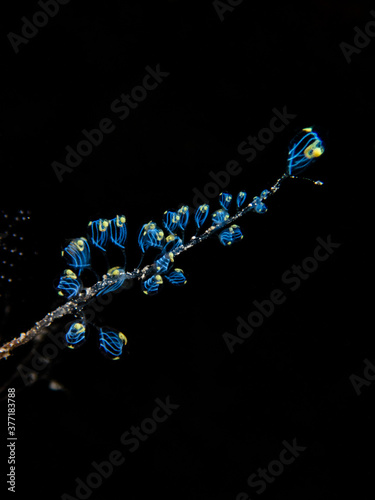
(75, 306)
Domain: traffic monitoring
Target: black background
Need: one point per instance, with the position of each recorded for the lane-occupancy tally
(291, 378)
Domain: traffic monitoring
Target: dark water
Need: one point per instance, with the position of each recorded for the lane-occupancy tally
(185, 130)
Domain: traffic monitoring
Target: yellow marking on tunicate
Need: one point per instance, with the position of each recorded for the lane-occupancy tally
(120, 220)
(60, 293)
(318, 152)
(171, 258)
(80, 245)
(114, 271)
(70, 274)
(160, 235)
(158, 279)
(79, 327)
(89, 224)
(180, 271)
(103, 224)
(148, 227)
(308, 129)
(123, 338)
(228, 197)
(171, 237)
(313, 150)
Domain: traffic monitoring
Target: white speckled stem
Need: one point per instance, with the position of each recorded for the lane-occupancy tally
(74, 306)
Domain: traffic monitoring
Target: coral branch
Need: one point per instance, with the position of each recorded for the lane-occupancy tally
(78, 250)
